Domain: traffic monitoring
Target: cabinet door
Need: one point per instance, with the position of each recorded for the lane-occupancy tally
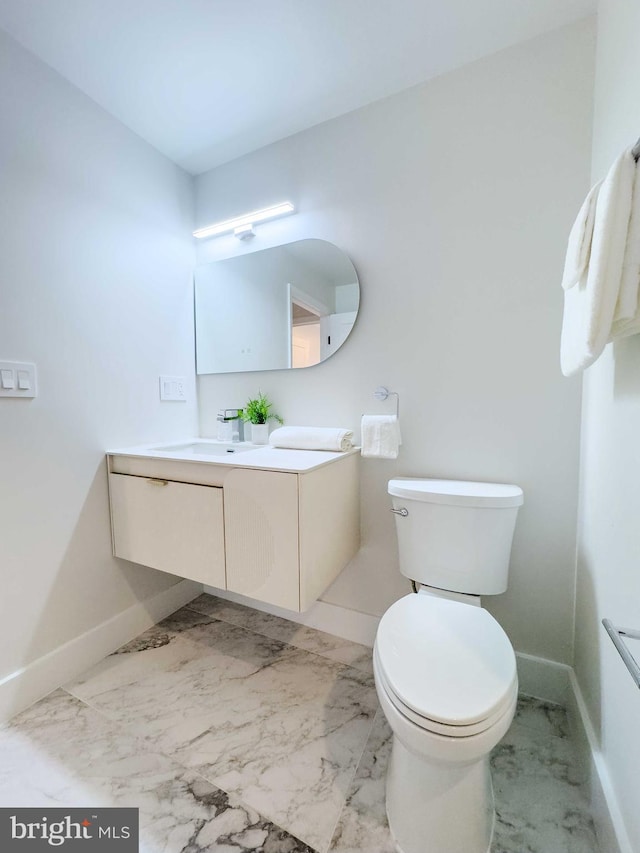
(329, 500)
(261, 533)
(175, 527)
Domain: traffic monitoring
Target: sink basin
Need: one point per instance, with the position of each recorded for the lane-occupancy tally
(204, 448)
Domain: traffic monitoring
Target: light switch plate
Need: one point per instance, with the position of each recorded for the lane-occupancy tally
(18, 379)
(173, 388)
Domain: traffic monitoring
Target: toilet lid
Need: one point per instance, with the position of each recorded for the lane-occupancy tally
(447, 661)
(445, 729)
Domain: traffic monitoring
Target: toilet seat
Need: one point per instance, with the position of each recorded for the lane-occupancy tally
(446, 666)
(444, 729)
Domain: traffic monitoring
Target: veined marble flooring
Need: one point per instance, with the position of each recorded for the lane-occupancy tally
(234, 731)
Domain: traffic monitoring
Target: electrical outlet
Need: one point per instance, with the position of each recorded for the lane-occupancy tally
(173, 388)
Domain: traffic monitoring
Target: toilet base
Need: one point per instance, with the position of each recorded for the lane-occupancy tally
(435, 807)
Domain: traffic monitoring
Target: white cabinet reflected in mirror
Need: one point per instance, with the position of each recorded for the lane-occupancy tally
(289, 306)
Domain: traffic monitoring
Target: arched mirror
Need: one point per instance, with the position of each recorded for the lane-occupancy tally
(289, 306)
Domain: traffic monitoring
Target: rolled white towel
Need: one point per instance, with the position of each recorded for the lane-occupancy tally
(312, 438)
(381, 437)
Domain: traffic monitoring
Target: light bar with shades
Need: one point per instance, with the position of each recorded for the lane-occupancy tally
(241, 225)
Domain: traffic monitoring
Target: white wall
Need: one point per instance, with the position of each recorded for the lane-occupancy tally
(453, 200)
(609, 520)
(95, 287)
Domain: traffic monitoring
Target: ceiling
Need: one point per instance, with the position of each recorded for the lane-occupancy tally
(206, 81)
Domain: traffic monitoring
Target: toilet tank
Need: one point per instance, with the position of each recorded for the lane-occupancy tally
(455, 535)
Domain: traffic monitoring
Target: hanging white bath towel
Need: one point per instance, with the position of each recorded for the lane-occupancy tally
(590, 304)
(627, 317)
(580, 238)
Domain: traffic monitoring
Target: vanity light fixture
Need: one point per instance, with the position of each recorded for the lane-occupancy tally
(242, 225)
(244, 232)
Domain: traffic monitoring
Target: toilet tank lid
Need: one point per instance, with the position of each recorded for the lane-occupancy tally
(456, 492)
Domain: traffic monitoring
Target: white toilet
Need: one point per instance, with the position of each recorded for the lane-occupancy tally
(445, 670)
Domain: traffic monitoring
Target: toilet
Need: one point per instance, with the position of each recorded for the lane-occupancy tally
(445, 671)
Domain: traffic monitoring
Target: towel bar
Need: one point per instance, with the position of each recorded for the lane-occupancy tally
(616, 635)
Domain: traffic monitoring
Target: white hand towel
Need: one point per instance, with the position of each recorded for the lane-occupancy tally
(589, 306)
(580, 238)
(381, 437)
(312, 438)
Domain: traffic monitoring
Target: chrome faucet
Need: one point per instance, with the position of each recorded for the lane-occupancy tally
(230, 425)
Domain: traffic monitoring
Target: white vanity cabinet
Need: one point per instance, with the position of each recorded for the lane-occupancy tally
(278, 536)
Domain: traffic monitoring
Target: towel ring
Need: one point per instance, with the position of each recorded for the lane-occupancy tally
(382, 393)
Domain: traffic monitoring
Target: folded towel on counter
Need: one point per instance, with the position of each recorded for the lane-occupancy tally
(381, 437)
(312, 438)
(590, 305)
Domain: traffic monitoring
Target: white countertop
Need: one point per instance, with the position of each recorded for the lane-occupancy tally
(239, 455)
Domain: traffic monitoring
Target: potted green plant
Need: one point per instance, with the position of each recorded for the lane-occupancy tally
(257, 412)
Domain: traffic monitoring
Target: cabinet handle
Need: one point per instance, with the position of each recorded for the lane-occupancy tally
(155, 482)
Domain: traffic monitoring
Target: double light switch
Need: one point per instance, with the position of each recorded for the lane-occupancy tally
(17, 379)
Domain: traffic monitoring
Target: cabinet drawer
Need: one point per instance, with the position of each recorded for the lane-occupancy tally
(175, 527)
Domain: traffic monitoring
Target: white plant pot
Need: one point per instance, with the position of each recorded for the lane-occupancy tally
(259, 433)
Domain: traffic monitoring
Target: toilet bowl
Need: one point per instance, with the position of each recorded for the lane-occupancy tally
(445, 671)
(445, 674)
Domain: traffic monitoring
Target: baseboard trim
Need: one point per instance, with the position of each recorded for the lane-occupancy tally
(22, 688)
(341, 621)
(543, 679)
(610, 828)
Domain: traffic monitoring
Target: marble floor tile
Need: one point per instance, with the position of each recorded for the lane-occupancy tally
(279, 726)
(193, 816)
(542, 756)
(173, 649)
(129, 665)
(540, 805)
(233, 730)
(60, 752)
(545, 717)
(318, 642)
(363, 823)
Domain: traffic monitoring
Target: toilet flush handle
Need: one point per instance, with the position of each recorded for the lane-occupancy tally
(404, 512)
